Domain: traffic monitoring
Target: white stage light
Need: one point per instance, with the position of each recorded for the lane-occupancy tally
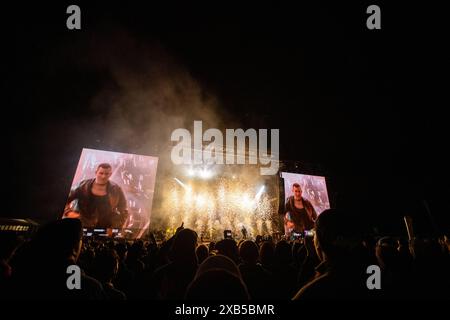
(200, 200)
(246, 202)
(205, 173)
(259, 193)
(185, 187)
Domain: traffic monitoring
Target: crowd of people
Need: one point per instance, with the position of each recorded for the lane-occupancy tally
(331, 264)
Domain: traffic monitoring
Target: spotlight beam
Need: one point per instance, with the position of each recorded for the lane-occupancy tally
(259, 193)
(182, 184)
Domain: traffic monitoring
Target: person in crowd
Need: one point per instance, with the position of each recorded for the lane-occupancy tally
(40, 266)
(285, 275)
(217, 278)
(339, 275)
(106, 267)
(171, 280)
(202, 253)
(257, 279)
(266, 255)
(430, 269)
(8, 245)
(228, 247)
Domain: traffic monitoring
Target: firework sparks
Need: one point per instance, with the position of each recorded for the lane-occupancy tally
(220, 204)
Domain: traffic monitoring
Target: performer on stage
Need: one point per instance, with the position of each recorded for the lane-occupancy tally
(99, 201)
(299, 214)
(244, 232)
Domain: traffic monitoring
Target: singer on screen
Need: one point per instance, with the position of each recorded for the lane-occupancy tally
(98, 202)
(300, 214)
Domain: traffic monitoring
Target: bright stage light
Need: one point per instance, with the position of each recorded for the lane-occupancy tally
(188, 197)
(200, 200)
(186, 187)
(202, 173)
(209, 205)
(246, 202)
(205, 173)
(259, 193)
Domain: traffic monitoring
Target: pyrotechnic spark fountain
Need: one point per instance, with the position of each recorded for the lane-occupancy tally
(211, 205)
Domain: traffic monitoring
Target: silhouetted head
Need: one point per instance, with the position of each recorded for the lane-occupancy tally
(219, 262)
(184, 244)
(136, 251)
(106, 264)
(387, 253)
(228, 248)
(202, 253)
(283, 252)
(59, 240)
(211, 246)
(249, 252)
(217, 278)
(217, 284)
(334, 236)
(266, 253)
(121, 249)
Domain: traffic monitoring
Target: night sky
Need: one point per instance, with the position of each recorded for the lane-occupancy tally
(365, 108)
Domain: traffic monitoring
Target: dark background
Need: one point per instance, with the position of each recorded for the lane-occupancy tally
(366, 108)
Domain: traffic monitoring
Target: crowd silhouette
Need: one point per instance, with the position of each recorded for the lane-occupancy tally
(330, 265)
